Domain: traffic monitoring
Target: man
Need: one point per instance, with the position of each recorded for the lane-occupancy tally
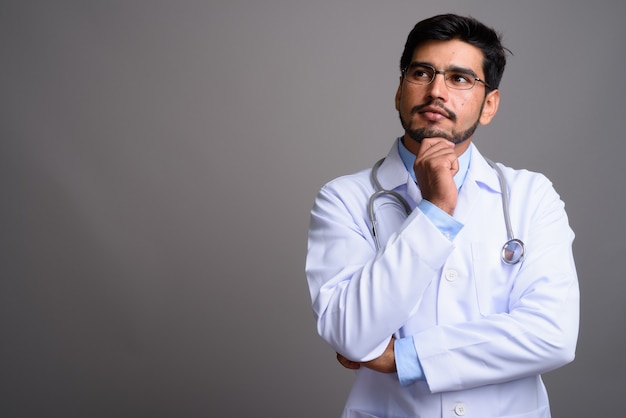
(441, 320)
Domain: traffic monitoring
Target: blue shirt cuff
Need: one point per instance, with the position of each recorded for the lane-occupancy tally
(407, 364)
(445, 223)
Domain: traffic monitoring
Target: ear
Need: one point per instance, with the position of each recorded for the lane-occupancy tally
(399, 94)
(490, 107)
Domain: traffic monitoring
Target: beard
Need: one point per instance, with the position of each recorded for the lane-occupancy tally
(418, 134)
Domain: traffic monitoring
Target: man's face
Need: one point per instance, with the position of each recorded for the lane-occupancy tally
(435, 110)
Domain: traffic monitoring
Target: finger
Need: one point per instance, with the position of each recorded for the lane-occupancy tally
(437, 159)
(352, 365)
(434, 146)
(437, 142)
(455, 165)
(348, 364)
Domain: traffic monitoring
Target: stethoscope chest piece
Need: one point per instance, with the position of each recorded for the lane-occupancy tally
(513, 251)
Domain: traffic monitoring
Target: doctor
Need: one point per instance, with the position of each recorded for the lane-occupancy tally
(437, 323)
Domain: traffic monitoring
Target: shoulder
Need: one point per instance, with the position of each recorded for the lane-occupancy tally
(534, 191)
(524, 178)
(523, 185)
(517, 180)
(348, 187)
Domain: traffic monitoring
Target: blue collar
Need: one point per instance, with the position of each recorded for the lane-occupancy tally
(408, 158)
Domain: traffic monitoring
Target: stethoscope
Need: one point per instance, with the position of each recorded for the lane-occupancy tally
(513, 249)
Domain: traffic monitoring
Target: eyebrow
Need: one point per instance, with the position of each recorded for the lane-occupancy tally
(454, 68)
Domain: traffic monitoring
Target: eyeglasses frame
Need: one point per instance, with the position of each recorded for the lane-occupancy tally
(443, 73)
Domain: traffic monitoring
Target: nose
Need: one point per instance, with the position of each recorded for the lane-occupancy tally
(438, 88)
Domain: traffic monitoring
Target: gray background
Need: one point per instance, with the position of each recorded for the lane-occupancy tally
(158, 161)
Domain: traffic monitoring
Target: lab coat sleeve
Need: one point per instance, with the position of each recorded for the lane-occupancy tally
(537, 333)
(360, 298)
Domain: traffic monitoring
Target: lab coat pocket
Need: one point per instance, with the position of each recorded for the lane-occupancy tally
(492, 277)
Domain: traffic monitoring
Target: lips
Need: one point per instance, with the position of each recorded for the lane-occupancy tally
(433, 113)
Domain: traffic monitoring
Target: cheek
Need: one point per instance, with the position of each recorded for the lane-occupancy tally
(407, 100)
(402, 104)
(469, 110)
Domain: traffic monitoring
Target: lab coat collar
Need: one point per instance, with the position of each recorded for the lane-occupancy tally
(392, 172)
(482, 173)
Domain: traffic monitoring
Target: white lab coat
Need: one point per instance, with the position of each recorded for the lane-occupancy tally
(483, 330)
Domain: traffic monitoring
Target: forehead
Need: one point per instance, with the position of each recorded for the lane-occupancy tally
(449, 54)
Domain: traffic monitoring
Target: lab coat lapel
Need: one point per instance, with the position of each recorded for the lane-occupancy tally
(393, 175)
(479, 176)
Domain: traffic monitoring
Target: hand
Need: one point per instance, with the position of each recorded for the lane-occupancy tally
(385, 363)
(435, 167)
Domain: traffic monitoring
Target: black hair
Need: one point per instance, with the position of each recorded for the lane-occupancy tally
(446, 27)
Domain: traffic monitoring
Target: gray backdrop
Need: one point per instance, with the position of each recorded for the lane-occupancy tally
(158, 163)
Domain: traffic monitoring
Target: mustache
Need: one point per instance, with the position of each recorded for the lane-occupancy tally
(435, 103)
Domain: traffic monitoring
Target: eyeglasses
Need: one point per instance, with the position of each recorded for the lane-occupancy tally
(458, 79)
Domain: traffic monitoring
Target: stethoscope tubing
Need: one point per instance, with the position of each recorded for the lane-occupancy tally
(508, 255)
(380, 191)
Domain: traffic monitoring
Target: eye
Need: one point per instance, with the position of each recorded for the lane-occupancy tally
(459, 79)
(420, 74)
